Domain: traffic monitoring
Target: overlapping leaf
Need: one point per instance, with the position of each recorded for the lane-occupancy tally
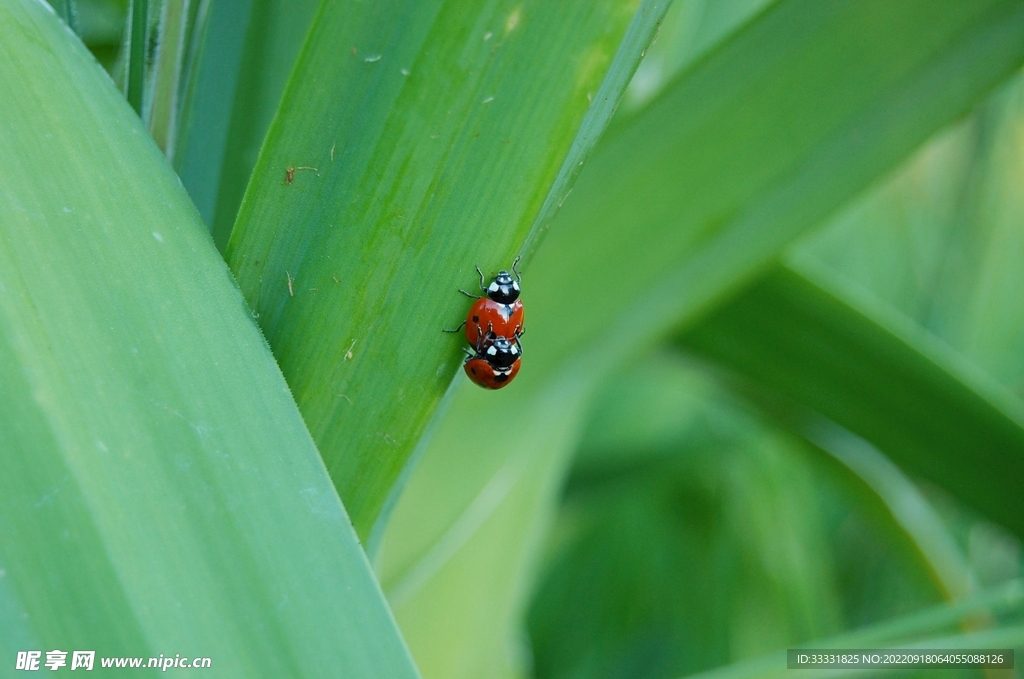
(428, 142)
(878, 376)
(160, 493)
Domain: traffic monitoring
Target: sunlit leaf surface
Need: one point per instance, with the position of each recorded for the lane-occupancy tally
(428, 143)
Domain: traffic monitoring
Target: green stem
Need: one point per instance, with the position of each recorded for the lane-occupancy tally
(167, 73)
(137, 53)
(69, 15)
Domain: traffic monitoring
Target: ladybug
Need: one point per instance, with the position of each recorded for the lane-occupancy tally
(494, 325)
(495, 362)
(500, 313)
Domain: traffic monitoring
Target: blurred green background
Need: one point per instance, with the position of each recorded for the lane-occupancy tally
(823, 448)
(713, 512)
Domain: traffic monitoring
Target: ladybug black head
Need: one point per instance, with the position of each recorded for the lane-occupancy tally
(502, 353)
(503, 289)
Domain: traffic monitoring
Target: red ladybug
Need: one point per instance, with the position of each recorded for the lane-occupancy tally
(493, 327)
(495, 363)
(500, 313)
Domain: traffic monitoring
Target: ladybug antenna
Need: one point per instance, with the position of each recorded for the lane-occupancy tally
(516, 271)
(483, 285)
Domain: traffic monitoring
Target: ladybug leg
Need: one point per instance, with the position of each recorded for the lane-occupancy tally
(456, 329)
(483, 285)
(468, 295)
(469, 354)
(519, 277)
(520, 331)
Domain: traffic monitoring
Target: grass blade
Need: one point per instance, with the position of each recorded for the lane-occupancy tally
(819, 345)
(139, 18)
(434, 150)
(160, 492)
(168, 72)
(244, 52)
(276, 33)
(713, 193)
(214, 64)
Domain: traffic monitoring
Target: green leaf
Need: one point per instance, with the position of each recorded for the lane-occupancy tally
(433, 149)
(137, 43)
(213, 62)
(168, 73)
(160, 494)
(677, 482)
(732, 163)
(691, 29)
(245, 50)
(700, 191)
(241, 53)
(823, 346)
(277, 29)
(941, 241)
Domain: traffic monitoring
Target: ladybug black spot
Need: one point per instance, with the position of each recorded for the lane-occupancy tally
(476, 319)
(473, 370)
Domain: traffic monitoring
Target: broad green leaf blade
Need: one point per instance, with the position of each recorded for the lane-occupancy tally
(690, 31)
(433, 149)
(880, 376)
(750, 149)
(160, 493)
(705, 187)
(941, 241)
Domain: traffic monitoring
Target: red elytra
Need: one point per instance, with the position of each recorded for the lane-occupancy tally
(501, 320)
(493, 327)
(487, 376)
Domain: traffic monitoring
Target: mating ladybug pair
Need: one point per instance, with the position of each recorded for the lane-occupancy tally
(494, 325)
